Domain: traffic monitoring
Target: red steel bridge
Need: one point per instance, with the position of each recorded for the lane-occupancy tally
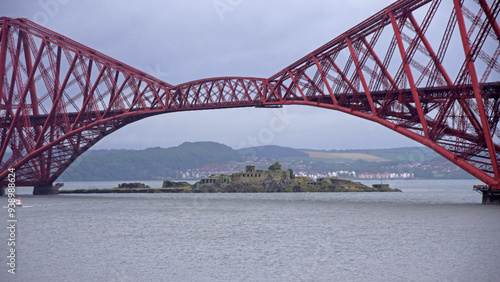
(427, 69)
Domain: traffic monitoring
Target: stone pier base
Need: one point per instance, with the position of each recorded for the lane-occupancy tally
(45, 190)
(491, 197)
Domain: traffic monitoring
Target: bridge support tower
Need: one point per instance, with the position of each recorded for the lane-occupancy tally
(45, 190)
(490, 196)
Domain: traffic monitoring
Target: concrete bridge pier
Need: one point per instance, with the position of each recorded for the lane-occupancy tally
(45, 190)
(491, 197)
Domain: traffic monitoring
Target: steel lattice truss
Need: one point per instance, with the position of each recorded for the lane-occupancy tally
(426, 69)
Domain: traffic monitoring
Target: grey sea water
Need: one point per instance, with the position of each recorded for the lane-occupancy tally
(432, 231)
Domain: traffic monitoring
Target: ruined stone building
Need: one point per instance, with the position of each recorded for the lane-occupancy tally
(250, 175)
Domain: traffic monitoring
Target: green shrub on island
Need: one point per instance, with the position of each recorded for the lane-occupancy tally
(173, 184)
(132, 185)
(275, 166)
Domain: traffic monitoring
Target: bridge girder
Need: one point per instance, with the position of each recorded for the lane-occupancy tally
(58, 98)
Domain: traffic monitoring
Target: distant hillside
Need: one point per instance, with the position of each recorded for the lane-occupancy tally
(147, 164)
(272, 152)
(411, 154)
(157, 163)
(406, 154)
(344, 156)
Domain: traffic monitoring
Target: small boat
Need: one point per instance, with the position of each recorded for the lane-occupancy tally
(18, 202)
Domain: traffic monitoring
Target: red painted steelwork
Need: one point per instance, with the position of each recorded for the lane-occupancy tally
(58, 97)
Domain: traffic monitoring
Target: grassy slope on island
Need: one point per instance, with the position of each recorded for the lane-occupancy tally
(147, 164)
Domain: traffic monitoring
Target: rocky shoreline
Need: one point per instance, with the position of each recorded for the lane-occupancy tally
(298, 185)
(123, 191)
(174, 187)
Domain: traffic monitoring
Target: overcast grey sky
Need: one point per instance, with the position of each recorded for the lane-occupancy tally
(179, 41)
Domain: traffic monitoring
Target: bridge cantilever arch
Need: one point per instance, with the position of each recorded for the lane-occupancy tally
(426, 69)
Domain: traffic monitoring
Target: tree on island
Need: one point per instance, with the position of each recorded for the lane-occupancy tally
(275, 166)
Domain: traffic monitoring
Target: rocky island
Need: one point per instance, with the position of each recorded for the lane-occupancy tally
(276, 180)
(251, 180)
